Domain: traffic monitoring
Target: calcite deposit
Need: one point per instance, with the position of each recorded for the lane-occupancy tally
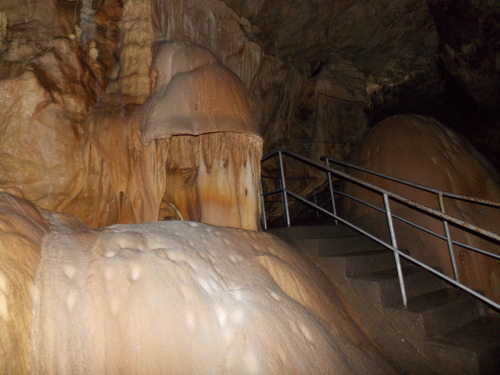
(423, 151)
(317, 74)
(97, 124)
(22, 226)
(165, 298)
(214, 146)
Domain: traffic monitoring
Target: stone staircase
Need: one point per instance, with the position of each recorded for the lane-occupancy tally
(443, 330)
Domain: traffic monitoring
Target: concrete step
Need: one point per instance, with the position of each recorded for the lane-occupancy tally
(346, 244)
(443, 311)
(314, 231)
(455, 326)
(363, 262)
(474, 348)
(383, 286)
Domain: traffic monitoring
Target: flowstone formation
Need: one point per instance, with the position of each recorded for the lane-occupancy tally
(192, 151)
(214, 146)
(423, 151)
(165, 298)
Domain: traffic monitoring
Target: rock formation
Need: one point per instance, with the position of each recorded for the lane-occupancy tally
(75, 90)
(318, 75)
(421, 150)
(214, 147)
(163, 298)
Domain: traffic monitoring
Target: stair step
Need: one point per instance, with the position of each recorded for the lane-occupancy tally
(443, 311)
(338, 245)
(475, 347)
(363, 262)
(315, 231)
(383, 287)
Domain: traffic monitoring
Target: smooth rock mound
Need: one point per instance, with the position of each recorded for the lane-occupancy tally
(169, 298)
(423, 151)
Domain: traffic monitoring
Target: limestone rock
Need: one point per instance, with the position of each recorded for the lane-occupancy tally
(214, 147)
(468, 33)
(40, 144)
(166, 297)
(125, 179)
(22, 226)
(193, 95)
(421, 150)
(317, 73)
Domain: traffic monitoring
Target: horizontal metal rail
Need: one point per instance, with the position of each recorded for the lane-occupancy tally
(399, 252)
(394, 196)
(403, 220)
(285, 193)
(412, 184)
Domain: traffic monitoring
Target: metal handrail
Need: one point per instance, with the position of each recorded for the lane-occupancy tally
(387, 195)
(412, 184)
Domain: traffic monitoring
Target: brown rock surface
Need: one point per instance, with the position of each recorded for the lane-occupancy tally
(124, 180)
(422, 151)
(317, 73)
(41, 108)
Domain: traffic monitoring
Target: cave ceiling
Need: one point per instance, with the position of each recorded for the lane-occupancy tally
(436, 57)
(303, 61)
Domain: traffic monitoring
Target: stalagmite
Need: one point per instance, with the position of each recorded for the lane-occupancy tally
(214, 146)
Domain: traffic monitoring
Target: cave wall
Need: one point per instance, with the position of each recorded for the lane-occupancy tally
(319, 74)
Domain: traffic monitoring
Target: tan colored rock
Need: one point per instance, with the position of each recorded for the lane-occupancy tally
(194, 94)
(165, 298)
(213, 178)
(214, 150)
(421, 150)
(132, 82)
(22, 227)
(125, 179)
(40, 145)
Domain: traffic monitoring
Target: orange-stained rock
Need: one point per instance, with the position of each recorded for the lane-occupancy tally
(421, 150)
(214, 150)
(212, 178)
(131, 84)
(125, 179)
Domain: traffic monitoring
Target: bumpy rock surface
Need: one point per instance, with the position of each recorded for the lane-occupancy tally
(421, 150)
(163, 298)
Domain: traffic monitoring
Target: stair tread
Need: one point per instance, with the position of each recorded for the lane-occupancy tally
(368, 252)
(314, 231)
(481, 334)
(390, 274)
(436, 299)
(336, 237)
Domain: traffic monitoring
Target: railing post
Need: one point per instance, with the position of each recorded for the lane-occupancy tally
(314, 198)
(263, 202)
(332, 195)
(284, 191)
(395, 245)
(448, 238)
